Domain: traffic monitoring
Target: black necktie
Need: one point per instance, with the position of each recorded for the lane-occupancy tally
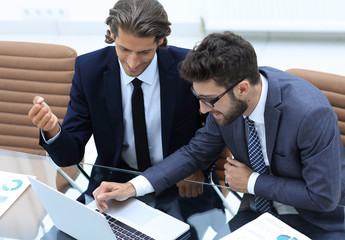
(139, 126)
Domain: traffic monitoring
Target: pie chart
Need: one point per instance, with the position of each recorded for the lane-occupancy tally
(12, 185)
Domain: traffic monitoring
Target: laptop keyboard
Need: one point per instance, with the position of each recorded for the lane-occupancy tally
(123, 231)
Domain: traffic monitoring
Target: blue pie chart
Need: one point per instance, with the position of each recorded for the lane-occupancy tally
(285, 237)
(12, 185)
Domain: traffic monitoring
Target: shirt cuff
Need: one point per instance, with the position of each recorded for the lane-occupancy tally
(52, 139)
(142, 186)
(251, 182)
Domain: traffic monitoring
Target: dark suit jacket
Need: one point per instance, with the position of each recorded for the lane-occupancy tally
(96, 108)
(305, 151)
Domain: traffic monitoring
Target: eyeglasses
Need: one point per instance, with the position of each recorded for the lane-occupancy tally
(210, 103)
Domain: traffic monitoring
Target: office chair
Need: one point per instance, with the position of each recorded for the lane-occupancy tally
(26, 70)
(333, 86)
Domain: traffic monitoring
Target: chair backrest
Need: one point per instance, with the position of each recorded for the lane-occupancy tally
(333, 86)
(26, 70)
(219, 169)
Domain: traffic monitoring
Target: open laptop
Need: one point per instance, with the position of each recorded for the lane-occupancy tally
(85, 222)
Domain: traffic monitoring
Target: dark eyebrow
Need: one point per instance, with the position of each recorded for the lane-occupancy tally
(148, 50)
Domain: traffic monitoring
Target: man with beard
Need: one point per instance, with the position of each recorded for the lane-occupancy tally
(281, 130)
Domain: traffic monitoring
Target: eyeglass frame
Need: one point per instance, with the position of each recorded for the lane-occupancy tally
(210, 103)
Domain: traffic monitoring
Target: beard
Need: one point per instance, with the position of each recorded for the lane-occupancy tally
(237, 109)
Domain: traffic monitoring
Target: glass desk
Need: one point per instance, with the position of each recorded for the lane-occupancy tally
(23, 219)
(206, 214)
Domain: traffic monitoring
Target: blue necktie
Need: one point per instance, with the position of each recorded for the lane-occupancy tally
(258, 163)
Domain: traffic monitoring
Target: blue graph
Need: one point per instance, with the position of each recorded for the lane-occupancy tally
(12, 185)
(3, 199)
(285, 237)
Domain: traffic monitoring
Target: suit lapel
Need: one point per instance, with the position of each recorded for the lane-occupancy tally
(240, 141)
(272, 116)
(112, 85)
(272, 113)
(168, 95)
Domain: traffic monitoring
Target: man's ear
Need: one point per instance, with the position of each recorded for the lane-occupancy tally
(112, 34)
(160, 42)
(243, 87)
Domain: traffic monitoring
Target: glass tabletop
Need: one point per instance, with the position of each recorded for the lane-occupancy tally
(208, 214)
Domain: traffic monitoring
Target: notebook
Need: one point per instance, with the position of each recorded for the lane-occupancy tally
(85, 222)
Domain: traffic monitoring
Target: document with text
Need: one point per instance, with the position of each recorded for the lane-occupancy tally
(266, 227)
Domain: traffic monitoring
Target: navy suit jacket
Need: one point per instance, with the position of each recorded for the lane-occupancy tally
(95, 107)
(304, 148)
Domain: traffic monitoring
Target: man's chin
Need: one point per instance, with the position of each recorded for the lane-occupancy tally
(221, 122)
(224, 121)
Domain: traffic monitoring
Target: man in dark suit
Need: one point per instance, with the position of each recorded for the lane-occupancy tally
(101, 93)
(283, 133)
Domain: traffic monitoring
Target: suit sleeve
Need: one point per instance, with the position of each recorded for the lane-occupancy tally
(201, 152)
(320, 153)
(68, 148)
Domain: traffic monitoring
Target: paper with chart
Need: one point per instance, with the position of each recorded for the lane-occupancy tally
(266, 227)
(12, 185)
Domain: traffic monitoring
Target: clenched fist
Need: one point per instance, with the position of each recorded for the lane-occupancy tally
(42, 116)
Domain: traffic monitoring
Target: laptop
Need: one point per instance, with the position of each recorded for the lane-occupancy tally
(85, 222)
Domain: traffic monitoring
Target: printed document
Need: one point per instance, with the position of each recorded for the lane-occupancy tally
(12, 185)
(266, 227)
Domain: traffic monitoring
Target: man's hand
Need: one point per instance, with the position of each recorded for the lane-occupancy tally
(237, 175)
(108, 190)
(188, 189)
(42, 116)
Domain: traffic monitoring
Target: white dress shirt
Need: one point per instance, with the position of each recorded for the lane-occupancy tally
(257, 116)
(152, 104)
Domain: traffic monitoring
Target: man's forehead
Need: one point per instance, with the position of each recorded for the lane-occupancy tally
(206, 83)
(207, 88)
(135, 43)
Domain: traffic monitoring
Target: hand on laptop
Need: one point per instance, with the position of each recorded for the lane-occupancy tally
(189, 189)
(108, 190)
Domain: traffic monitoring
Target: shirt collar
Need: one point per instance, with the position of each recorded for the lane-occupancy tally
(258, 114)
(146, 76)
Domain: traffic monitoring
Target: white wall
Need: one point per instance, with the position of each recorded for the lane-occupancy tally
(285, 33)
(47, 16)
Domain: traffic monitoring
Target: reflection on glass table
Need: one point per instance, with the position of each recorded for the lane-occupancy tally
(206, 214)
(23, 218)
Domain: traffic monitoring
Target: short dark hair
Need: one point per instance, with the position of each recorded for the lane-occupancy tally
(142, 18)
(223, 57)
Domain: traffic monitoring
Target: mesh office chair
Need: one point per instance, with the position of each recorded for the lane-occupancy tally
(26, 70)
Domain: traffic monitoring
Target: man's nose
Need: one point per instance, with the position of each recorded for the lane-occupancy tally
(133, 61)
(204, 108)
